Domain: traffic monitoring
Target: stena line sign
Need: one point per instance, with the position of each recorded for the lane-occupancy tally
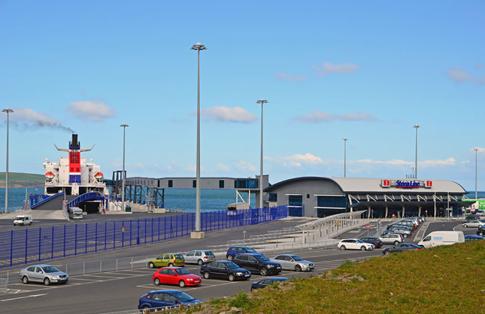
(407, 184)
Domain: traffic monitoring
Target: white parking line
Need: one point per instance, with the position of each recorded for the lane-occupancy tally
(24, 297)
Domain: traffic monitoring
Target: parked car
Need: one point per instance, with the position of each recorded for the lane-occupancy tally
(402, 231)
(401, 247)
(472, 237)
(391, 238)
(437, 238)
(257, 263)
(376, 241)
(167, 259)
(42, 273)
(474, 223)
(481, 230)
(199, 257)
(293, 262)
(160, 299)
(176, 276)
(355, 244)
(22, 220)
(224, 270)
(235, 250)
(263, 283)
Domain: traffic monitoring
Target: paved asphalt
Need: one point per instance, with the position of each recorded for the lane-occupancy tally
(116, 291)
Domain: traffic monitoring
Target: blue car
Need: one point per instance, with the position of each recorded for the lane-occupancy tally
(471, 237)
(235, 250)
(159, 299)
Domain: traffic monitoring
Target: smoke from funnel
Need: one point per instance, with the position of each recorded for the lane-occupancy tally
(28, 118)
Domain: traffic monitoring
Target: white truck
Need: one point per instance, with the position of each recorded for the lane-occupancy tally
(22, 220)
(437, 238)
(75, 213)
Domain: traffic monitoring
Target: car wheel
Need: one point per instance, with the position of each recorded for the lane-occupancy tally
(263, 271)
(156, 282)
(151, 265)
(231, 277)
(230, 257)
(343, 247)
(396, 242)
(362, 248)
(25, 280)
(47, 282)
(206, 275)
(182, 284)
(297, 268)
(200, 262)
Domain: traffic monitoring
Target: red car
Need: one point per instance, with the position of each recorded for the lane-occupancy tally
(175, 276)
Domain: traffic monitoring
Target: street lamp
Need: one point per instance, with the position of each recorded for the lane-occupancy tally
(198, 234)
(345, 156)
(261, 102)
(476, 172)
(123, 175)
(416, 126)
(7, 111)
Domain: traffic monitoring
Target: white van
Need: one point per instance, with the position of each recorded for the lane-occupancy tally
(22, 220)
(437, 238)
(76, 213)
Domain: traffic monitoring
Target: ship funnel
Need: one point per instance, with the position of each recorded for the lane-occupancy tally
(74, 144)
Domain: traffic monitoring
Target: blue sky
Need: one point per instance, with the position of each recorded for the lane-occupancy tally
(367, 71)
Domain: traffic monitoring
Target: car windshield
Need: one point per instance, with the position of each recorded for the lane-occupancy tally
(179, 256)
(250, 250)
(261, 258)
(296, 258)
(182, 271)
(232, 265)
(50, 269)
(182, 296)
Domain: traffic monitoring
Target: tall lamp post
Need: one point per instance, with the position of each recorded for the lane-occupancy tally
(197, 234)
(476, 172)
(123, 174)
(345, 156)
(8, 111)
(416, 126)
(261, 204)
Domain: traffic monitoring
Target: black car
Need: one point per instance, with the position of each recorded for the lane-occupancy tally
(235, 250)
(266, 282)
(257, 263)
(481, 230)
(224, 270)
(376, 241)
(401, 247)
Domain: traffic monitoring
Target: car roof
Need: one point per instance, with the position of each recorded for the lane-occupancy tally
(275, 278)
(164, 291)
(250, 254)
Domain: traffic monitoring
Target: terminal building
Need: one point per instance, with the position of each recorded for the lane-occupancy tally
(321, 196)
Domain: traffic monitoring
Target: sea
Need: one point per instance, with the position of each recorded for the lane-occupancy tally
(176, 199)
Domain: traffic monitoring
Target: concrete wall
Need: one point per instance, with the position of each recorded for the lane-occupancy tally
(308, 189)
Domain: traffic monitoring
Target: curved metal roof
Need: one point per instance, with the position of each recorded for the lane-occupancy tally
(372, 185)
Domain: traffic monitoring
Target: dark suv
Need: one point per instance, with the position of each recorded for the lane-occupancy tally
(257, 263)
(224, 270)
(235, 250)
(376, 241)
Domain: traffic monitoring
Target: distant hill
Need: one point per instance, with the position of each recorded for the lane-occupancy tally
(20, 180)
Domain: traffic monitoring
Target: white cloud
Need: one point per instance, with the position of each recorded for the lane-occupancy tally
(319, 116)
(405, 163)
(245, 166)
(460, 75)
(297, 160)
(221, 167)
(283, 76)
(330, 68)
(228, 114)
(91, 110)
(28, 118)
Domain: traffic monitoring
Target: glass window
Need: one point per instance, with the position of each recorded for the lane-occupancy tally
(32, 269)
(198, 253)
(221, 184)
(191, 253)
(50, 269)
(194, 183)
(428, 238)
(295, 200)
(273, 197)
(332, 201)
(182, 271)
(242, 257)
(170, 183)
(209, 253)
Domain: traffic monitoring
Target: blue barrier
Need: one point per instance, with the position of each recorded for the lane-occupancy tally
(44, 243)
(38, 199)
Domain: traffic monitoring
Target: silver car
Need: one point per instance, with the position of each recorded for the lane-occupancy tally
(293, 262)
(199, 257)
(45, 274)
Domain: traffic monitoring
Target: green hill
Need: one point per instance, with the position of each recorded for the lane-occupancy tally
(19, 179)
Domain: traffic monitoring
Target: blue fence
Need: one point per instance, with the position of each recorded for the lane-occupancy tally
(36, 244)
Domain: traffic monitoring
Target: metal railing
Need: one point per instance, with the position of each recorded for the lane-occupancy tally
(44, 243)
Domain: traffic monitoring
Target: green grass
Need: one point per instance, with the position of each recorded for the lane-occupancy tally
(448, 279)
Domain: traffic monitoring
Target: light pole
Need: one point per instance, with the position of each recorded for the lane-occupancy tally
(261, 102)
(416, 126)
(476, 172)
(8, 111)
(123, 174)
(198, 234)
(345, 156)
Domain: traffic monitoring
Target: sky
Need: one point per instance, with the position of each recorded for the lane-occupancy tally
(363, 70)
